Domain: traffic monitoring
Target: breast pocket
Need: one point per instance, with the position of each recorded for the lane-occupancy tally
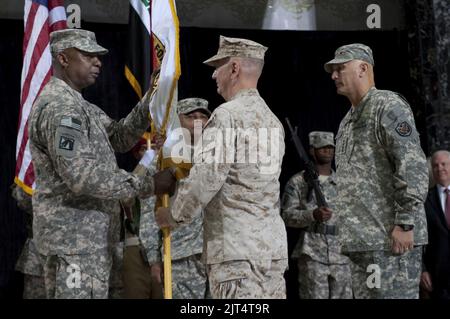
(341, 143)
(359, 151)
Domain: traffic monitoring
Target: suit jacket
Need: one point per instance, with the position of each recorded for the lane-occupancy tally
(437, 252)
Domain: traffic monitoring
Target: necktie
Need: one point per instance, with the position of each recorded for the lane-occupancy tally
(447, 207)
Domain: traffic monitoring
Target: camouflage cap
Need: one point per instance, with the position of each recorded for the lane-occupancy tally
(346, 53)
(318, 139)
(192, 104)
(234, 47)
(75, 38)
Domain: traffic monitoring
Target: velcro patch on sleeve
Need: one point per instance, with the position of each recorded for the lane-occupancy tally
(400, 123)
(71, 122)
(67, 141)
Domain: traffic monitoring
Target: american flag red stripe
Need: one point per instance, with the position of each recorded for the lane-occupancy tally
(40, 18)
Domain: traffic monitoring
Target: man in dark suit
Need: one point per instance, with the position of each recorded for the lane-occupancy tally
(435, 277)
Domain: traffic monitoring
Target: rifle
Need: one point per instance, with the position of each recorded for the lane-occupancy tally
(311, 177)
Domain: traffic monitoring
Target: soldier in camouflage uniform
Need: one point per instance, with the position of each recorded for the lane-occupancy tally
(236, 184)
(188, 271)
(29, 262)
(76, 215)
(323, 272)
(138, 279)
(382, 180)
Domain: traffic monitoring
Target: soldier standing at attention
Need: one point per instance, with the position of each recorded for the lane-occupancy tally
(323, 272)
(76, 210)
(188, 270)
(235, 182)
(382, 180)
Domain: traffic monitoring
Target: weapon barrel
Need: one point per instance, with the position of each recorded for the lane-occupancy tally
(310, 175)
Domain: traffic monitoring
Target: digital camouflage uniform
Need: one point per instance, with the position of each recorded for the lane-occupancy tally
(189, 279)
(323, 272)
(78, 183)
(29, 262)
(116, 289)
(382, 179)
(188, 271)
(245, 243)
(189, 105)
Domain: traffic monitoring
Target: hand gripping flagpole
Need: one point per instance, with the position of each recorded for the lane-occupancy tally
(167, 256)
(165, 34)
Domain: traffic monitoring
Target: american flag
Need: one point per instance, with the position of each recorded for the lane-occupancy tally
(40, 18)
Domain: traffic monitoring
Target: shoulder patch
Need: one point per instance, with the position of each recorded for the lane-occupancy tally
(66, 143)
(71, 122)
(403, 129)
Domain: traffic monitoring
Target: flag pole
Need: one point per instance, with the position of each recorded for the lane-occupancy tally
(164, 200)
(167, 255)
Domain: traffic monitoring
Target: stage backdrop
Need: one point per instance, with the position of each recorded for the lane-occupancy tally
(335, 15)
(293, 83)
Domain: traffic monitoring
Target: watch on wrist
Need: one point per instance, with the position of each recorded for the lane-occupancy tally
(406, 227)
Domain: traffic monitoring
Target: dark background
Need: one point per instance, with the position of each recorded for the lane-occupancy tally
(294, 84)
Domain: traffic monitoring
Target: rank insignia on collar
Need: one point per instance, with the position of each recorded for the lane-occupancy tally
(403, 129)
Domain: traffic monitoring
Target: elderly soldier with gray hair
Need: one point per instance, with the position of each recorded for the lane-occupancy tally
(382, 180)
(323, 272)
(245, 245)
(78, 183)
(188, 270)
